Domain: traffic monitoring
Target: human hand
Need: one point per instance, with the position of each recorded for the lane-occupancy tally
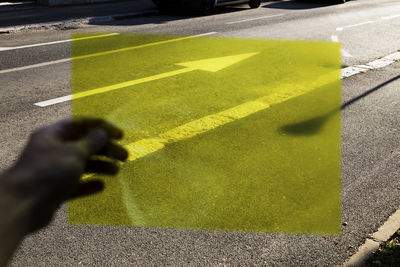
(49, 169)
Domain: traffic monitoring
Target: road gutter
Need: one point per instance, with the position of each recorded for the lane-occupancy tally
(373, 241)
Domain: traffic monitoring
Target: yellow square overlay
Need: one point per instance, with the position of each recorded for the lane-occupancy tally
(223, 134)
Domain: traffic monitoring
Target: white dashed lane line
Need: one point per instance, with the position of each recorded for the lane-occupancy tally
(101, 53)
(339, 29)
(36, 65)
(56, 42)
(391, 17)
(251, 19)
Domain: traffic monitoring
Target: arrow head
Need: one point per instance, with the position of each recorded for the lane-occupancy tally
(217, 63)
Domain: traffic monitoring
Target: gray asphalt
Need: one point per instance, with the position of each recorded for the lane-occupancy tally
(370, 140)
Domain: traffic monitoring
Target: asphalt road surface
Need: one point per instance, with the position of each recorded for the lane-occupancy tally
(370, 184)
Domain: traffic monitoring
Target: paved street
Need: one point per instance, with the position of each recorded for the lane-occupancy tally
(35, 66)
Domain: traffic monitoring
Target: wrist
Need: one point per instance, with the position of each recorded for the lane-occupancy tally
(16, 214)
(15, 200)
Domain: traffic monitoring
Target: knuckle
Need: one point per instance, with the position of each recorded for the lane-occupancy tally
(76, 152)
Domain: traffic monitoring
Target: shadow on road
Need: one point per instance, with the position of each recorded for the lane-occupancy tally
(50, 14)
(163, 17)
(314, 125)
(297, 4)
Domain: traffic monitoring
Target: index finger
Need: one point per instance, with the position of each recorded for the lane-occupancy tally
(88, 124)
(75, 128)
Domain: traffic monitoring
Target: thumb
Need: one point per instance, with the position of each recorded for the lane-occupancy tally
(94, 141)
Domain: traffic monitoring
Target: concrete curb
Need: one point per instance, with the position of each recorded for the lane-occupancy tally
(72, 23)
(373, 241)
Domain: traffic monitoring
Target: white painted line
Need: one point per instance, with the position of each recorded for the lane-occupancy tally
(54, 101)
(391, 17)
(373, 241)
(380, 63)
(376, 64)
(263, 17)
(335, 38)
(15, 3)
(350, 71)
(203, 34)
(101, 53)
(366, 67)
(56, 42)
(394, 56)
(339, 29)
(36, 65)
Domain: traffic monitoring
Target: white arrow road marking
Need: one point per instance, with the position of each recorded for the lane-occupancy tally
(211, 64)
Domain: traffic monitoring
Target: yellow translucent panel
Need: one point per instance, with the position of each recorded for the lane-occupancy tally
(223, 134)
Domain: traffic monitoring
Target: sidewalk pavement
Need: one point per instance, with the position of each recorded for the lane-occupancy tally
(12, 15)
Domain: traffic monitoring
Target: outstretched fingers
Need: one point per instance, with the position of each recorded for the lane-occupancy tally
(114, 151)
(83, 125)
(93, 142)
(102, 166)
(87, 188)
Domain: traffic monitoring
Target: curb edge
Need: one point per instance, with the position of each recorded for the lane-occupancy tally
(373, 241)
